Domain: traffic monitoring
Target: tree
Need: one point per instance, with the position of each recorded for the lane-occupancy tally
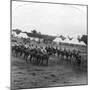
(34, 31)
(70, 38)
(79, 39)
(62, 37)
(17, 31)
(83, 38)
(39, 33)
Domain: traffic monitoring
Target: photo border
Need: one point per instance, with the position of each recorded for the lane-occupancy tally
(48, 3)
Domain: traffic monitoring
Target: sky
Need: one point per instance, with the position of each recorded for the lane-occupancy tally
(51, 19)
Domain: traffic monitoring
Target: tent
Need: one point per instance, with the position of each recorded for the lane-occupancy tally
(75, 41)
(24, 35)
(14, 34)
(66, 40)
(57, 40)
(82, 43)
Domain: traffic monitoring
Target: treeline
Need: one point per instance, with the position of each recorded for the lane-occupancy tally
(35, 34)
(83, 38)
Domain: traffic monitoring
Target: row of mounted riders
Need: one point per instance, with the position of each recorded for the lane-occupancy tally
(41, 58)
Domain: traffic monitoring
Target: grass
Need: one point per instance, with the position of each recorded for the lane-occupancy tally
(59, 72)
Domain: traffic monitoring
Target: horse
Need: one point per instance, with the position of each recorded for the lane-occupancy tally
(39, 57)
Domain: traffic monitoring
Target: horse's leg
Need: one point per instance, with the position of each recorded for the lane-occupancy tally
(38, 61)
(70, 58)
(55, 53)
(20, 53)
(78, 61)
(30, 59)
(41, 59)
(12, 51)
(16, 53)
(74, 61)
(35, 62)
(25, 56)
(47, 62)
(58, 55)
(61, 57)
(67, 57)
(26, 60)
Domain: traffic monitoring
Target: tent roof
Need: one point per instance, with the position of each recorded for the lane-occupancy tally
(14, 33)
(57, 39)
(24, 35)
(82, 43)
(73, 41)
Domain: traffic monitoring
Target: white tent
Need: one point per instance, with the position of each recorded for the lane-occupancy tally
(75, 41)
(82, 43)
(57, 39)
(24, 35)
(14, 34)
(66, 41)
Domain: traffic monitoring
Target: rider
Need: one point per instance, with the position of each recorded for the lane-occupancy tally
(26, 46)
(43, 50)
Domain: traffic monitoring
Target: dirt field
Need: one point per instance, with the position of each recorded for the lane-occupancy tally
(57, 73)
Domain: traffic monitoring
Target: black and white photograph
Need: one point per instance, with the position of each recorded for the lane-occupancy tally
(48, 44)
